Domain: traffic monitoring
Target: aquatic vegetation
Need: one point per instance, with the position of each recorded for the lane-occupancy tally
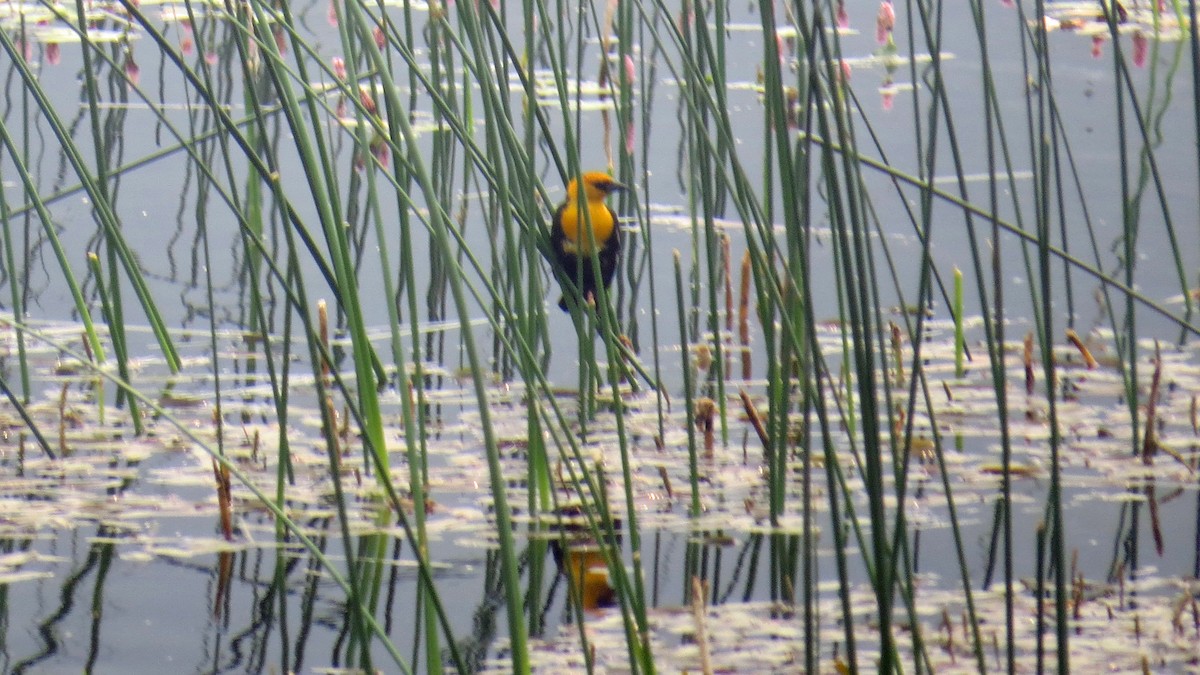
(896, 371)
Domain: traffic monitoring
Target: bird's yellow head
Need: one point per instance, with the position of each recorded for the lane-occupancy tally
(596, 186)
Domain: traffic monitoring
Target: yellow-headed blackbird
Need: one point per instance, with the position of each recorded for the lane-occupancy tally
(571, 243)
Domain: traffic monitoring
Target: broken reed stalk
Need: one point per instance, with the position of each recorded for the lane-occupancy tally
(1088, 359)
(1076, 585)
(224, 498)
(1149, 437)
(1028, 360)
(666, 481)
(755, 418)
(948, 627)
(1155, 523)
(698, 603)
(1185, 603)
(323, 334)
(344, 427)
(744, 317)
(331, 432)
(255, 441)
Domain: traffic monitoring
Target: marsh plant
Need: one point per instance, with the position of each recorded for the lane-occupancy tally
(897, 371)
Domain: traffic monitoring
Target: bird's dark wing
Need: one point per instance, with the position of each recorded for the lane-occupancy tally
(566, 261)
(610, 253)
(564, 257)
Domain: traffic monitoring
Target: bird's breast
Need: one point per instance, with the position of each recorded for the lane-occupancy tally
(577, 241)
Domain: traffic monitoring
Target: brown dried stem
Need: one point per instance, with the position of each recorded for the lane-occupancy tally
(1086, 353)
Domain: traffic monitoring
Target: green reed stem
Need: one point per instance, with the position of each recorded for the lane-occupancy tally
(960, 339)
(23, 413)
(1045, 129)
(517, 628)
(6, 224)
(296, 529)
(32, 194)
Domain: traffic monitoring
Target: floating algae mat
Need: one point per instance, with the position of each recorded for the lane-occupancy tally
(1130, 517)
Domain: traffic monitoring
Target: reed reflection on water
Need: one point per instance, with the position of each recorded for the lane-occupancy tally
(278, 317)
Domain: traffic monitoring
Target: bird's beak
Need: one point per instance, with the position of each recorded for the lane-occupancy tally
(616, 187)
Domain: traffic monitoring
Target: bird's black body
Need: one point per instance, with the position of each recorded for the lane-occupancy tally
(574, 230)
(578, 268)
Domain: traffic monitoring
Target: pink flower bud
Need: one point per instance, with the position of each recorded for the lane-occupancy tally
(339, 67)
(885, 22)
(1141, 46)
(131, 69)
(367, 99)
(53, 53)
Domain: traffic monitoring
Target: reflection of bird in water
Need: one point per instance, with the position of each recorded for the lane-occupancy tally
(580, 557)
(589, 576)
(570, 240)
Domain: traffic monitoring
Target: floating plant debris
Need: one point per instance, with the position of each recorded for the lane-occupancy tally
(1090, 20)
(1109, 633)
(133, 485)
